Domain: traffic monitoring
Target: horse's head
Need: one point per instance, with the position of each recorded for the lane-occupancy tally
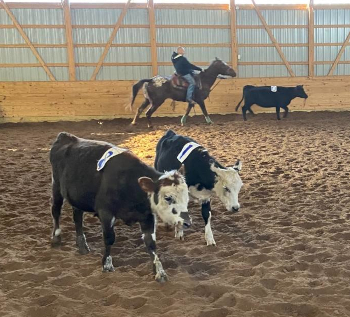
(222, 68)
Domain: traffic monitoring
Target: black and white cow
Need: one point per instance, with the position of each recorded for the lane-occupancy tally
(204, 175)
(269, 97)
(113, 183)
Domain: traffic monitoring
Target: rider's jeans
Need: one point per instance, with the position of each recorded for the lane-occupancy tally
(191, 87)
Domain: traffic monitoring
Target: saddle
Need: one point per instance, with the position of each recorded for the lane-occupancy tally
(179, 82)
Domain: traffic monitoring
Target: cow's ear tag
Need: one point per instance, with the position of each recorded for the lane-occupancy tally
(274, 88)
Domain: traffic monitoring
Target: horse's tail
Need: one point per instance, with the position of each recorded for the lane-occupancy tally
(135, 90)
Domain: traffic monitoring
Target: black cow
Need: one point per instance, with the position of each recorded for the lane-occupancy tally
(204, 175)
(263, 96)
(125, 188)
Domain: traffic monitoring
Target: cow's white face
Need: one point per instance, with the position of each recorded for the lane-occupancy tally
(228, 185)
(169, 198)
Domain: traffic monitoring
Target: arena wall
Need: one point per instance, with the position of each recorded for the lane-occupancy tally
(82, 100)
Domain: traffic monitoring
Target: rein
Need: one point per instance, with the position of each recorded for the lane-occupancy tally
(215, 85)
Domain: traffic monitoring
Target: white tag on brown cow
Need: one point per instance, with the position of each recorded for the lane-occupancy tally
(108, 155)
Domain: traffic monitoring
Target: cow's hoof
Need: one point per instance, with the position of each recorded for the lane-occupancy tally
(108, 266)
(179, 234)
(161, 277)
(56, 241)
(83, 248)
(210, 241)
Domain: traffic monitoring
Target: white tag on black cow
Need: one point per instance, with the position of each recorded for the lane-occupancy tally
(108, 155)
(274, 88)
(186, 151)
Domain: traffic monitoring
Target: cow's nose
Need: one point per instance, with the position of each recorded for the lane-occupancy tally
(187, 219)
(235, 209)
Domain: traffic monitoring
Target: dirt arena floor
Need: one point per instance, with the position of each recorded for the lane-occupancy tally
(286, 253)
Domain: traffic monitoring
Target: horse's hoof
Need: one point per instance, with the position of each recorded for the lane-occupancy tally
(208, 120)
(150, 127)
(183, 121)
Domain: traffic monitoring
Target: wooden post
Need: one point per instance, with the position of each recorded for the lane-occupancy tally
(153, 37)
(69, 38)
(311, 39)
(272, 38)
(234, 50)
(340, 53)
(111, 38)
(26, 39)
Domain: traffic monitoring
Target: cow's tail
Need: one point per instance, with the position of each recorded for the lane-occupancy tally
(135, 90)
(240, 102)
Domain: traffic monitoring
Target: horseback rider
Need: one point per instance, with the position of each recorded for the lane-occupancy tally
(185, 69)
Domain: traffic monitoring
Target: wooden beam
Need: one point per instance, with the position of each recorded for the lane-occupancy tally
(101, 5)
(263, 21)
(33, 5)
(175, 45)
(191, 26)
(153, 37)
(311, 38)
(33, 65)
(340, 53)
(35, 45)
(331, 26)
(114, 45)
(331, 6)
(234, 47)
(274, 6)
(272, 45)
(275, 26)
(28, 65)
(179, 6)
(33, 26)
(69, 38)
(26, 39)
(110, 26)
(111, 38)
(192, 6)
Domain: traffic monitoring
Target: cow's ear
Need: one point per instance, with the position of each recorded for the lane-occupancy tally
(237, 166)
(181, 170)
(147, 184)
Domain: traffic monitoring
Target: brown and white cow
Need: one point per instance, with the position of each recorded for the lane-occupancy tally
(113, 183)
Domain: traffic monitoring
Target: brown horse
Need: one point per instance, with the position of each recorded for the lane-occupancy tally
(158, 89)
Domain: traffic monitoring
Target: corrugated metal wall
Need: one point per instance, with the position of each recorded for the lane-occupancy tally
(115, 54)
(270, 54)
(331, 35)
(37, 36)
(185, 35)
(89, 55)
